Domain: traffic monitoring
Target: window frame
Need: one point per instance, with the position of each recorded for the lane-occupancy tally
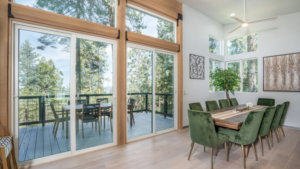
(240, 61)
(154, 15)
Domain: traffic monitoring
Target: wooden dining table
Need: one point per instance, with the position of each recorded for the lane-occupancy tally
(78, 108)
(230, 118)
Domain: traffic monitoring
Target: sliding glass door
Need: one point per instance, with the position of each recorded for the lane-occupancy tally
(150, 91)
(64, 92)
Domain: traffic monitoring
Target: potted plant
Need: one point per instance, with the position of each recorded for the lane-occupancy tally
(227, 80)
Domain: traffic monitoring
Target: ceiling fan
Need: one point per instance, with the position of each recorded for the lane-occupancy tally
(244, 22)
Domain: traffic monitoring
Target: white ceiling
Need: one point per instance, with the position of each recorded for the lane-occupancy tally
(220, 10)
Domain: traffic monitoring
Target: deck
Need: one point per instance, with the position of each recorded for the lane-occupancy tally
(38, 141)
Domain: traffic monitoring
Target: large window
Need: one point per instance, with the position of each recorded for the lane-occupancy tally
(64, 88)
(141, 22)
(150, 91)
(248, 71)
(213, 65)
(98, 11)
(243, 44)
(214, 46)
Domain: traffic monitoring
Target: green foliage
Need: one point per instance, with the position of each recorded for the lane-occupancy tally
(213, 46)
(134, 20)
(227, 80)
(166, 30)
(243, 44)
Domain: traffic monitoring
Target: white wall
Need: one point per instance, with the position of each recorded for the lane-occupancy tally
(284, 39)
(196, 31)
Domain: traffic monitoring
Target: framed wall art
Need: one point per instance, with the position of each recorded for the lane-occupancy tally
(282, 73)
(197, 67)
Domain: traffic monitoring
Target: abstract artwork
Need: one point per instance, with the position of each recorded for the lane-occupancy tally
(197, 67)
(282, 72)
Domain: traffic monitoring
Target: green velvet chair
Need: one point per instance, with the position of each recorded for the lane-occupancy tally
(276, 122)
(266, 102)
(196, 106)
(286, 108)
(212, 105)
(202, 131)
(247, 134)
(224, 103)
(265, 127)
(234, 102)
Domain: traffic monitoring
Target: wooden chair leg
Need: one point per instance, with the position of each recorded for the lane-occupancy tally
(276, 133)
(244, 156)
(229, 148)
(254, 151)
(13, 154)
(3, 158)
(192, 146)
(246, 150)
(282, 131)
(261, 145)
(226, 150)
(267, 140)
(271, 135)
(212, 158)
(9, 161)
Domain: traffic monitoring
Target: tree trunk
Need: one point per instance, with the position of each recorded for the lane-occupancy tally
(227, 93)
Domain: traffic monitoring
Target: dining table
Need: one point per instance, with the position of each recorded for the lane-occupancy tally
(78, 108)
(231, 118)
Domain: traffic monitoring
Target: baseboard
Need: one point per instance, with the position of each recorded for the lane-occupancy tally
(292, 127)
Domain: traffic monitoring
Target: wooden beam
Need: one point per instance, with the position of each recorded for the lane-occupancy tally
(4, 73)
(153, 42)
(180, 74)
(167, 8)
(37, 16)
(121, 76)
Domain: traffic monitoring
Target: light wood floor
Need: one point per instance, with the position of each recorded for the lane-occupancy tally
(170, 151)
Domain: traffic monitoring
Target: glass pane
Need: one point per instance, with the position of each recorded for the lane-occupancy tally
(94, 88)
(141, 22)
(214, 46)
(164, 91)
(213, 65)
(235, 66)
(140, 93)
(252, 43)
(250, 78)
(237, 46)
(98, 11)
(43, 89)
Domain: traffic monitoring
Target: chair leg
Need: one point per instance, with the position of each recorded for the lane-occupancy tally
(3, 158)
(229, 148)
(261, 145)
(192, 146)
(9, 161)
(254, 150)
(57, 126)
(271, 135)
(53, 129)
(246, 150)
(267, 140)
(244, 156)
(275, 131)
(212, 157)
(282, 131)
(226, 150)
(13, 154)
(278, 132)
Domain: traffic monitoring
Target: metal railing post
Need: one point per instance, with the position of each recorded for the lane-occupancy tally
(165, 105)
(42, 110)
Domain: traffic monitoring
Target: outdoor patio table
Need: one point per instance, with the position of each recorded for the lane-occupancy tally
(78, 108)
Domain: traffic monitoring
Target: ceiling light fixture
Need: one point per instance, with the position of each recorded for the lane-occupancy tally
(245, 25)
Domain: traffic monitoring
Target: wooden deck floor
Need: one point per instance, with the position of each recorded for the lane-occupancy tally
(170, 151)
(38, 141)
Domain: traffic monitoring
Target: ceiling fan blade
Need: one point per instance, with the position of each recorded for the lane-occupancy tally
(238, 27)
(237, 19)
(262, 20)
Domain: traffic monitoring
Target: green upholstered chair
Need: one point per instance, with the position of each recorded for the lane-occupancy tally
(276, 122)
(196, 106)
(234, 102)
(224, 103)
(247, 134)
(265, 127)
(202, 131)
(266, 102)
(212, 105)
(286, 108)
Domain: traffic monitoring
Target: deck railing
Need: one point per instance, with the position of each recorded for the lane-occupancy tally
(35, 110)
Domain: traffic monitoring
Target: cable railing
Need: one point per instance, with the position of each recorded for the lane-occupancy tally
(35, 110)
